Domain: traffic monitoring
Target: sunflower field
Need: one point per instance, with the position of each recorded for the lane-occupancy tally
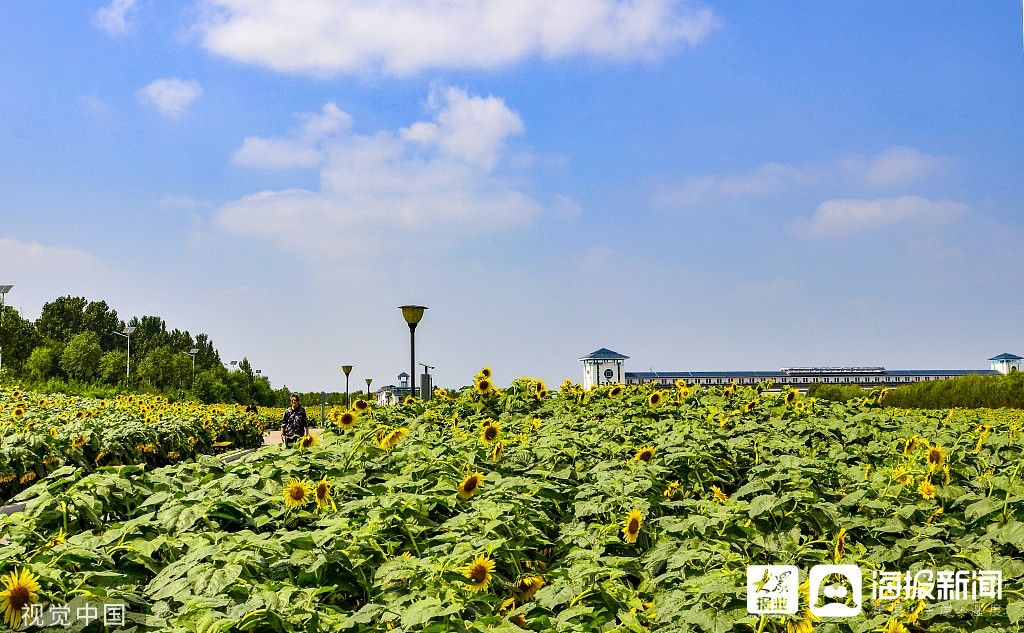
(41, 433)
(627, 509)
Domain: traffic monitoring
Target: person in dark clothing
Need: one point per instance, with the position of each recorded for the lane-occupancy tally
(294, 424)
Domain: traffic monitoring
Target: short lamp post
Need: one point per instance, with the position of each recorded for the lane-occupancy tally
(348, 370)
(4, 289)
(412, 315)
(128, 329)
(368, 381)
(192, 352)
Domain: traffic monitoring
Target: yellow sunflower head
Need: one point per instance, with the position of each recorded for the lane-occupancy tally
(529, 586)
(902, 476)
(322, 494)
(936, 457)
(484, 386)
(791, 396)
(478, 573)
(926, 489)
(718, 494)
(654, 399)
(347, 420)
(490, 432)
(308, 441)
(893, 626)
(20, 590)
(671, 489)
(631, 526)
(388, 440)
(361, 405)
(497, 450)
(409, 400)
(645, 454)
(471, 485)
(485, 372)
(18, 412)
(615, 391)
(297, 493)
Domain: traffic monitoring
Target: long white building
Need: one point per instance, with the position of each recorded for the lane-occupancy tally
(605, 366)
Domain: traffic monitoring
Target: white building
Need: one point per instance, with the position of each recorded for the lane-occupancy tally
(605, 366)
(392, 394)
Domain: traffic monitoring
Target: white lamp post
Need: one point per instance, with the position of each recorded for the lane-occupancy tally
(192, 352)
(4, 289)
(128, 329)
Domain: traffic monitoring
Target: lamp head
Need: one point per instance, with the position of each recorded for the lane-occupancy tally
(347, 369)
(128, 329)
(5, 288)
(194, 351)
(412, 314)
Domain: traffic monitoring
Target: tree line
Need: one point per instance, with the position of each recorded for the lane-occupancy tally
(971, 391)
(74, 347)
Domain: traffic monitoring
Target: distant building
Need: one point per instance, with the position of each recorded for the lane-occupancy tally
(392, 394)
(605, 366)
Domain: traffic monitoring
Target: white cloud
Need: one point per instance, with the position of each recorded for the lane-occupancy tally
(408, 36)
(170, 96)
(436, 180)
(299, 150)
(894, 167)
(841, 217)
(113, 17)
(15, 255)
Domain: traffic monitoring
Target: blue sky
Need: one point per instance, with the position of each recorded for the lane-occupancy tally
(699, 186)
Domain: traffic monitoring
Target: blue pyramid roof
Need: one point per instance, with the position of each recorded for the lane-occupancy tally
(1006, 356)
(604, 354)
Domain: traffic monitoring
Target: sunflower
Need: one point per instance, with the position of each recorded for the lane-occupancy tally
(308, 441)
(20, 590)
(347, 420)
(388, 440)
(791, 396)
(541, 394)
(936, 457)
(654, 399)
(497, 450)
(718, 494)
(910, 445)
(681, 384)
(490, 431)
(18, 412)
(893, 626)
(645, 454)
(631, 526)
(799, 407)
(409, 400)
(322, 494)
(28, 477)
(485, 372)
(297, 493)
(101, 456)
(470, 485)
(53, 432)
(529, 585)
(840, 548)
(902, 476)
(484, 386)
(912, 616)
(361, 405)
(926, 490)
(536, 422)
(671, 489)
(615, 391)
(479, 572)
(59, 538)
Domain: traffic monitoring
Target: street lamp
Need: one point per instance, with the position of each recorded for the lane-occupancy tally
(348, 370)
(4, 289)
(368, 381)
(192, 352)
(412, 315)
(128, 329)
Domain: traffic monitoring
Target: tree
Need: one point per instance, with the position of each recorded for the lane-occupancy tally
(17, 339)
(209, 386)
(150, 333)
(81, 357)
(62, 318)
(207, 357)
(42, 364)
(113, 367)
(101, 319)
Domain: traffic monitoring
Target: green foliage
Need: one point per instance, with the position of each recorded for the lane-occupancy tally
(81, 357)
(835, 393)
(737, 477)
(966, 391)
(113, 367)
(43, 363)
(17, 339)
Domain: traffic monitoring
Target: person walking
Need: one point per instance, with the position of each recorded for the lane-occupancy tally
(294, 424)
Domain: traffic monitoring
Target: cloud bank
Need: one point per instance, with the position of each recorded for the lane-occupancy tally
(170, 96)
(402, 37)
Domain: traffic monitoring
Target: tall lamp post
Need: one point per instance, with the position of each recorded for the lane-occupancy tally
(368, 381)
(128, 329)
(348, 370)
(4, 289)
(412, 315)
(192, 352)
